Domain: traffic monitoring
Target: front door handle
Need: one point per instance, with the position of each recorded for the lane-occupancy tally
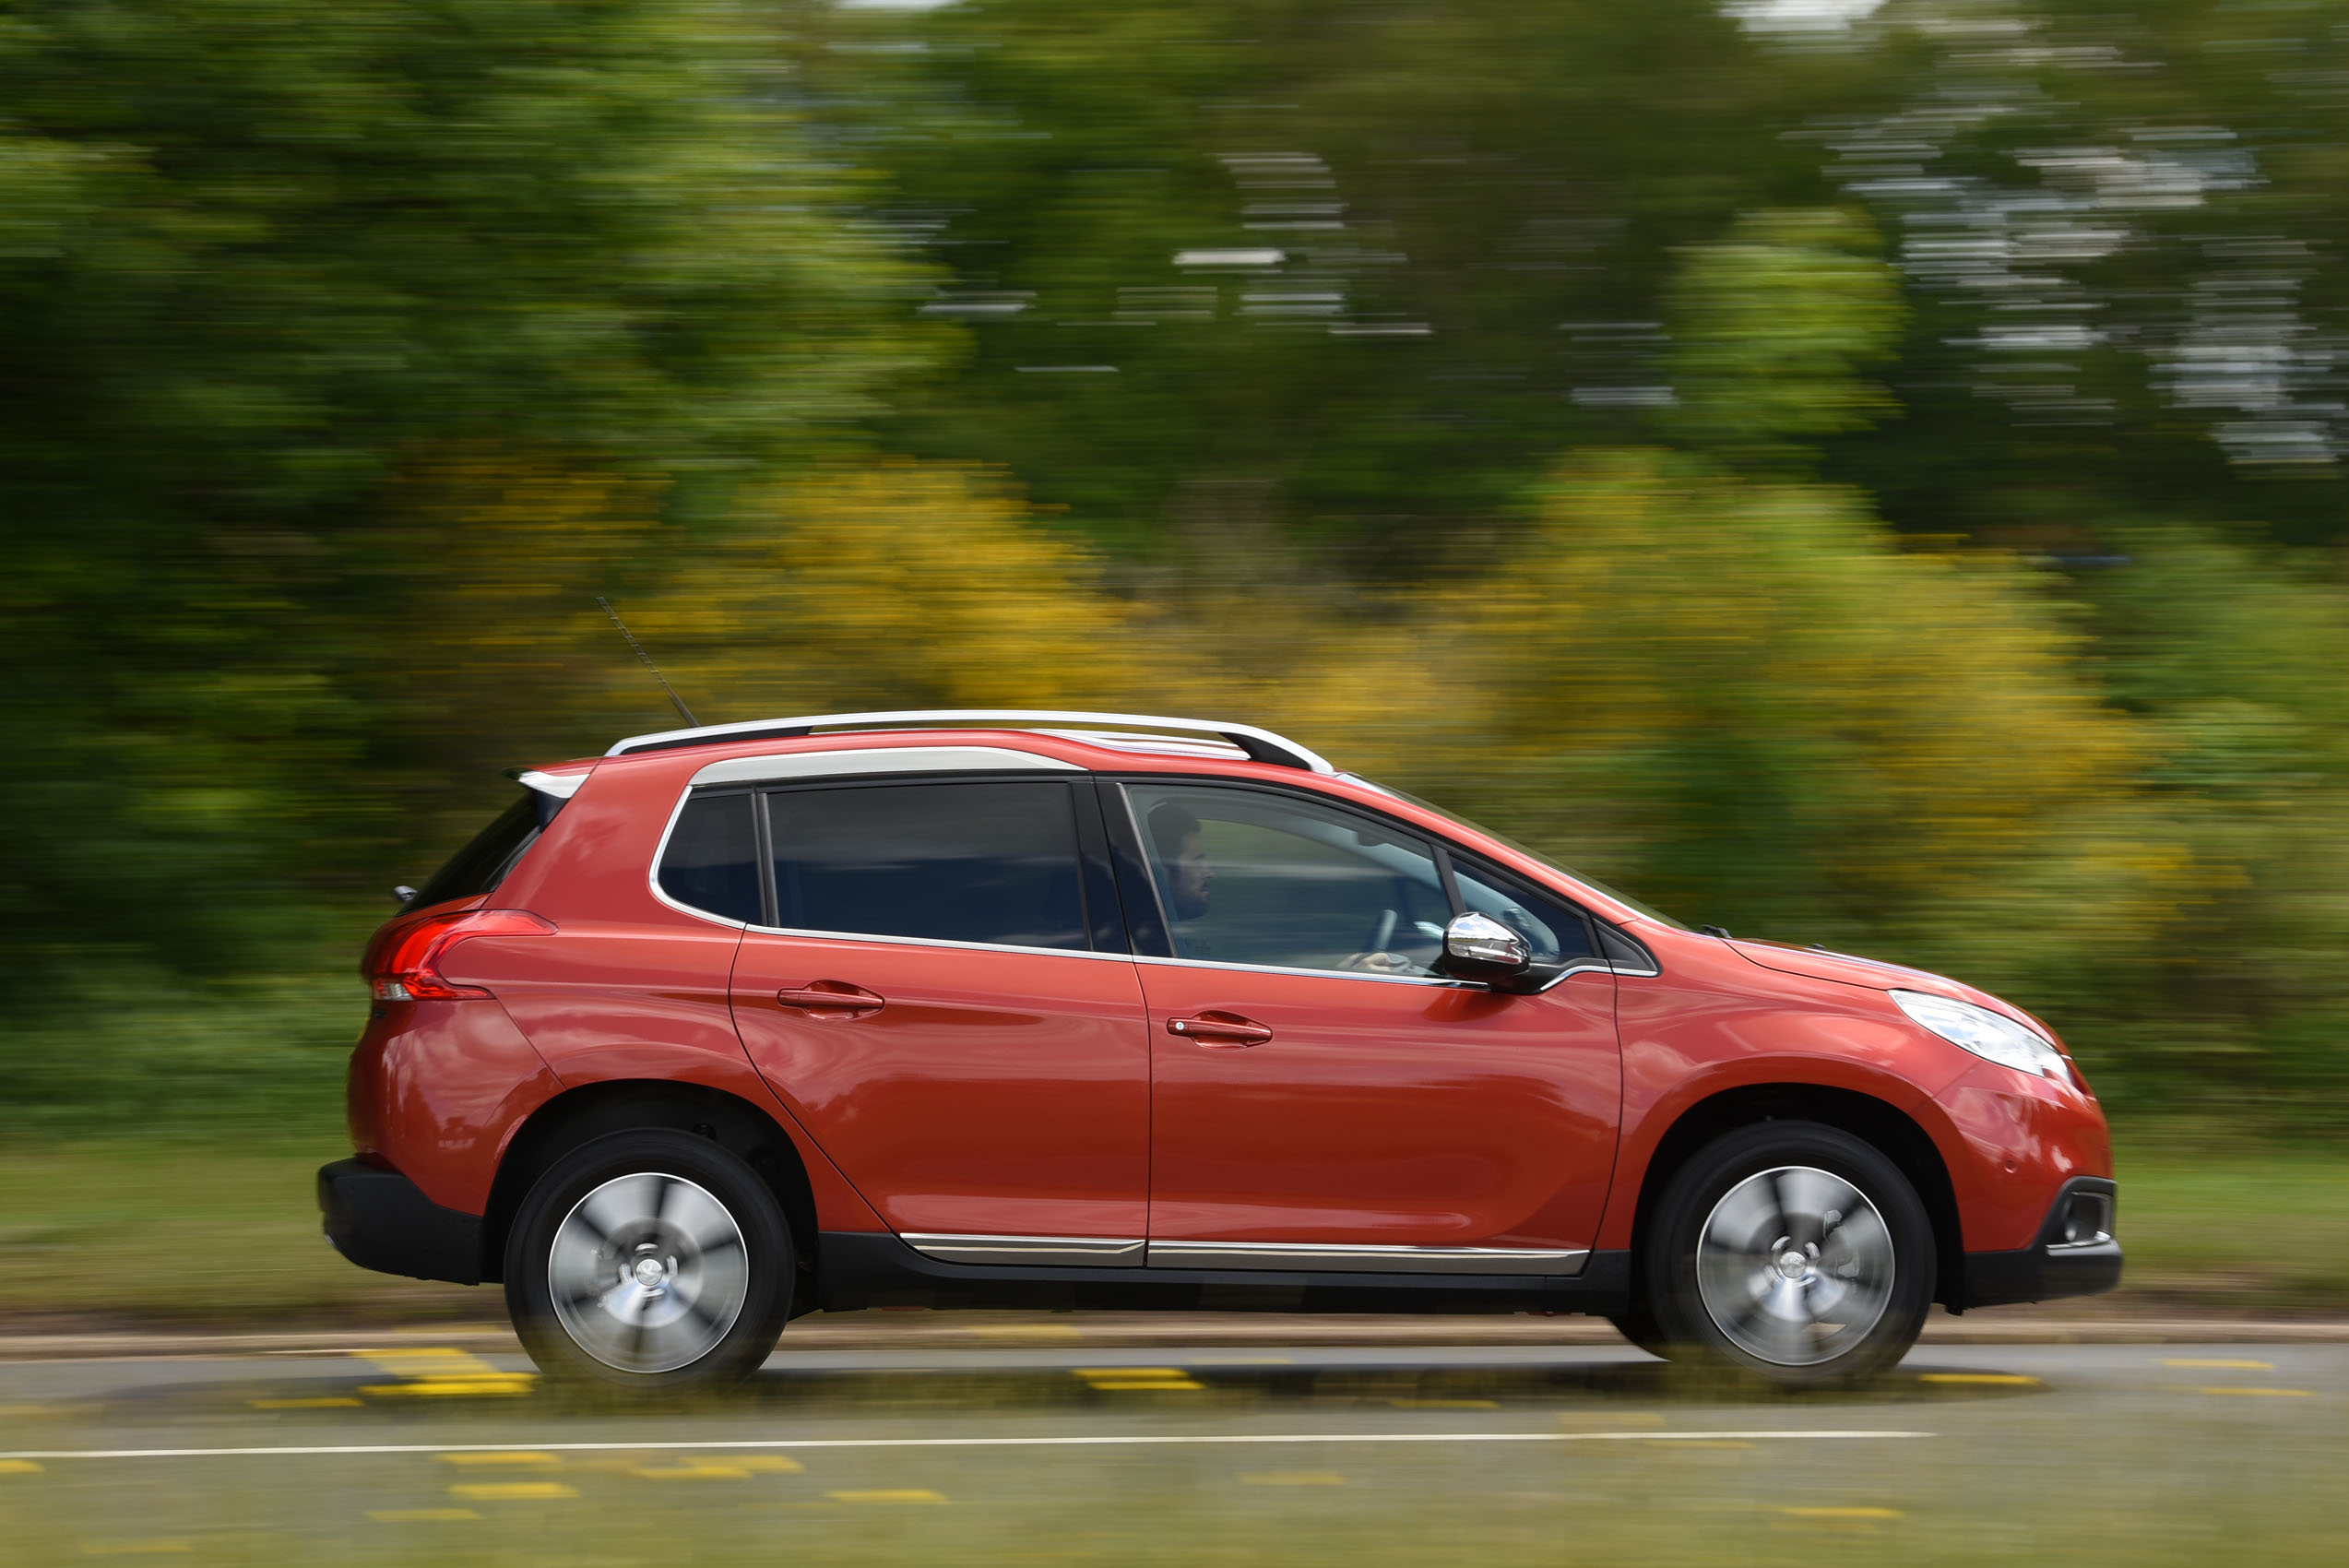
(831, 999)
(1219, 1030)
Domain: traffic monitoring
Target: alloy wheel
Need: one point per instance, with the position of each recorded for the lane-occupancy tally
(1795, 1266)
(647, 1272)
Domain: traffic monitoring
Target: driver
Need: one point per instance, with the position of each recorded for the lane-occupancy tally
(1174, 832)
(1186, 875)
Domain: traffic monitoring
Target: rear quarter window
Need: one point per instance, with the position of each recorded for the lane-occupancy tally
(710, 863)
(479, 866)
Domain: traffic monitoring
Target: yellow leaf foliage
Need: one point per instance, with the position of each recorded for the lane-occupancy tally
(893, 584)
(1690, 678)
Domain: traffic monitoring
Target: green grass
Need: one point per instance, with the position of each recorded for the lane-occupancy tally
(223, 1230)
(2257, 1230)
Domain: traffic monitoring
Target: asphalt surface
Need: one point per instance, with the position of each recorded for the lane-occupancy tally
(1045, 1453)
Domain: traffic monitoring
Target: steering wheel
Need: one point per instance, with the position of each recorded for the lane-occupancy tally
(1381, 931)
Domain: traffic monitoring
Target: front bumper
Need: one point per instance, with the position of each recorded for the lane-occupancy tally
(379, 1219)
(2074, 1253)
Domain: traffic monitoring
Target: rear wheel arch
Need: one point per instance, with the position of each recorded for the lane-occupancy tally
(594, 1110)
(1878, 1123)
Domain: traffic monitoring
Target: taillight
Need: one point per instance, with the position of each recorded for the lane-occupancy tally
(409, 969)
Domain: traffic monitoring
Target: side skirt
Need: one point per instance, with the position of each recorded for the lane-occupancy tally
(856, 1270)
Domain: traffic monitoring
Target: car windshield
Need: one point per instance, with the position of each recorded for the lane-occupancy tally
(1620, 896)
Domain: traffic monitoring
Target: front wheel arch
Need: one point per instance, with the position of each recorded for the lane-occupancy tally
(1792, 1252)
(1890, 1129)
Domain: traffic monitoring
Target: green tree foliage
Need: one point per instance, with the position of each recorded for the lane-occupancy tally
(1771, 327)
(260, 263)
(1471, 205)
(1881, 486)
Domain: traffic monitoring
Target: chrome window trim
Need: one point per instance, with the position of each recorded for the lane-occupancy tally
(1099, 1251)
(784, 766)
(1587, 967)
(661, 894)
(1580, 966)
(1591, 963)
(1348, 1257)
(660, 849)
(1446, 981)
(935, 942)
(652, 882)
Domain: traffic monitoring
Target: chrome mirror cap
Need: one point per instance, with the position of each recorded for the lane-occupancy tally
(1479, 946)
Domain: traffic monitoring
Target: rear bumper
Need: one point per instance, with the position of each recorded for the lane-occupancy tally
(2071, 1256)
(378, 1219)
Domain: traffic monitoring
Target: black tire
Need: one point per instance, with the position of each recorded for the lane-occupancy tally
(1637, 1323)
(1792, 1252)
(678, 1275)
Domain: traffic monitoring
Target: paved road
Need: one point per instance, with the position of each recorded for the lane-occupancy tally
(1046, 1454)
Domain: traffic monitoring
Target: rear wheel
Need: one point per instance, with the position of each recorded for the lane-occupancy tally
(1790, 1251)
(650, 1260)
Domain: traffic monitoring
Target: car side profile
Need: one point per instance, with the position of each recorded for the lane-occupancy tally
(1042, 1009)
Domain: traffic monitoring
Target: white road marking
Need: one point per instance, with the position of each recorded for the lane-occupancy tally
(1102, 1441)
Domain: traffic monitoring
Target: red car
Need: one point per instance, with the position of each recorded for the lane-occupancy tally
(1100, 1011)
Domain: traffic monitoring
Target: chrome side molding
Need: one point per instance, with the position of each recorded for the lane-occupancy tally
(1319, 1258)
(1091, 1251)
(1346, 1257)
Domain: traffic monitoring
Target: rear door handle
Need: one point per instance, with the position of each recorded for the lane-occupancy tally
(1219, 1030)
(831, 999)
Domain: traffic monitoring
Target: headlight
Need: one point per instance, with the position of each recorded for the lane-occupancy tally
(1991, 1036)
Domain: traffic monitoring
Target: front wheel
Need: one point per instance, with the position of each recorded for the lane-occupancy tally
(649, 1259)
(1791, 1251)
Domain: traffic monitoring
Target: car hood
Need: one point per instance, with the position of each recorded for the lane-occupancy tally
(1817, 963)
(1820, 964)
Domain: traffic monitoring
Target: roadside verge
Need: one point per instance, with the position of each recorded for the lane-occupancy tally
(964, 1331)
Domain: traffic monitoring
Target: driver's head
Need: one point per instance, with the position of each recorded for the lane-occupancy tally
(1174, 835)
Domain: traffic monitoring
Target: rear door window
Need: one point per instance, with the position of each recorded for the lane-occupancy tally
(710, 863)
(992, 862)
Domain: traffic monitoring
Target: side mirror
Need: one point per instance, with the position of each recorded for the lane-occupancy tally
(1477, 947)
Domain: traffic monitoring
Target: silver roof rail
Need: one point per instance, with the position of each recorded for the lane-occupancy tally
(1260, 745)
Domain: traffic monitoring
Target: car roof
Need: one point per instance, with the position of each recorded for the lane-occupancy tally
(1084, 741)
(1144, 731)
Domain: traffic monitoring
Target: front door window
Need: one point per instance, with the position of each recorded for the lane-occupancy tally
(1249, 877)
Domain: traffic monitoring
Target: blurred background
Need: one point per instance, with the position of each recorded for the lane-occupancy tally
(1866, 474)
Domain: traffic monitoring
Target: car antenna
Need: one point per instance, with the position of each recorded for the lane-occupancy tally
(691, 722)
